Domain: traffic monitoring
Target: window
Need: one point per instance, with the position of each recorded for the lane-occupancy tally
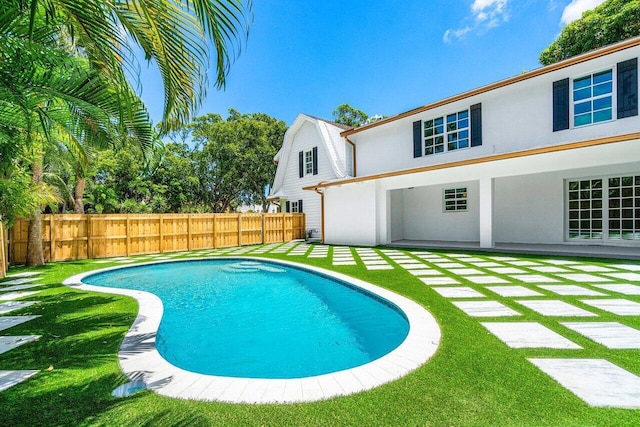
(604, 208)
(585, 209)
(293, 207)
(593, 98)
(308, 162)
(455, 130)
(458, 130)
(624, 208)
(455, 199)
(434, 136)
(451, 132)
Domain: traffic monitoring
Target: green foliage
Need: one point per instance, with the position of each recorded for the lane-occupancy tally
(235, 164)
(231, 164)
(347, 115)
(610, 22)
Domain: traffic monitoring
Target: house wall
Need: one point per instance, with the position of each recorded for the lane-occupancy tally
(528, 205)
(515, 117)
(305, 139)
(423, 216)
(531, 208)
(396, 214)
(350, 214)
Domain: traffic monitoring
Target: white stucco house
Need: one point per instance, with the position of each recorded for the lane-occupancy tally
(551, 156)
(312, 152)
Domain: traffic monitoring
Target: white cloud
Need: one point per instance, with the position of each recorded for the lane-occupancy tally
(449, 35)
(485, 14)
(574, 9)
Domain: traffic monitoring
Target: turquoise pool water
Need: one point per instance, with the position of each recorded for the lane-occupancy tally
(259, 319)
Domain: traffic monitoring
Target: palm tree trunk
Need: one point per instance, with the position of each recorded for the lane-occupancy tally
(78, 193)
(35, 253)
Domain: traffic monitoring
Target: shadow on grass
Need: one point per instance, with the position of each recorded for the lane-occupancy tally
(77, 355)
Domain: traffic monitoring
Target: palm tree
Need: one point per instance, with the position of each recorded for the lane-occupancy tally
(178, 35)
(48, 95)
(63, 68)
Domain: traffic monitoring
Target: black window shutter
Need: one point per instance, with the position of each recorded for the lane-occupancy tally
(287, 206)
(299, 205)
(476, 125)
(417, 138)
(300, 165)
(315, 160)
(628, 88)
(561, 105)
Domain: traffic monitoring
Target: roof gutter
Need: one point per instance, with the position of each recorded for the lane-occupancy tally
(321, 193)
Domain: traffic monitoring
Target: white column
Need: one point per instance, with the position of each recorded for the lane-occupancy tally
(486, 212)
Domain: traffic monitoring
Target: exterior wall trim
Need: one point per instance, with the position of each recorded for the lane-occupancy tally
(504, 156)
(516, 79)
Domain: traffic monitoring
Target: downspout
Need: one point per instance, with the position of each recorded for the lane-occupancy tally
(354, 155)
(321, 193)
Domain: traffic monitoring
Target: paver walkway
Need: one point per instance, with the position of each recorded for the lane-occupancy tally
(11, 289)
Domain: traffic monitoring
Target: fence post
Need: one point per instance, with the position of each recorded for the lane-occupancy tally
(52, 238)
(189, 232)
(213, 215)
(262, 229)
(284, 227)
(89, 237)
(240, 229)
(161, 245)
(128, 236)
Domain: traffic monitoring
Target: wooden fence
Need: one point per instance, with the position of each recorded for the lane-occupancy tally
(72, 237)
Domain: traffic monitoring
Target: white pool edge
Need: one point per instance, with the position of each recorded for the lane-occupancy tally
(140, 360)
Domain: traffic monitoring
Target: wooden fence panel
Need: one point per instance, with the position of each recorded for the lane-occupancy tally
(67, 236)
(144, 234)
(251, 229)
(273, 228)
(227, 230)
(202, 231)
(71, 236)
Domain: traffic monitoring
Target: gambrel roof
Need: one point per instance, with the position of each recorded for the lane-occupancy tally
(332, 143)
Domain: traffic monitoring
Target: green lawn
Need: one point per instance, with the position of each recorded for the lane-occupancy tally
(473, 379)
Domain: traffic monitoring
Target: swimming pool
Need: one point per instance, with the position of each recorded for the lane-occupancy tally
(140, 360)
(257, 319)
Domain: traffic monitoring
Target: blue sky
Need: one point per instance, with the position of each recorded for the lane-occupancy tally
(383, 56)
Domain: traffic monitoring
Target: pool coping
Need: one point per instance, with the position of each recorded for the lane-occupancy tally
(141, 361)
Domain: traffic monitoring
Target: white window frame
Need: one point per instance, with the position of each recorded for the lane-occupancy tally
(293, 206)
(446, 133)
(592, 98)
(308, 162)
(632, 192)
(460, 199)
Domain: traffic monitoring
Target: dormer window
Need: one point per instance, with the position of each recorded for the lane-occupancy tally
(308, 162)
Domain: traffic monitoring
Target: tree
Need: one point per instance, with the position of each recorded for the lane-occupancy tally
(347, 115)
(235, 164)
(52, 95)
(180, 36)
(610, 22)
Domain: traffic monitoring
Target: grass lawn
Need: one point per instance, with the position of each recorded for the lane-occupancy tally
(473, 379)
